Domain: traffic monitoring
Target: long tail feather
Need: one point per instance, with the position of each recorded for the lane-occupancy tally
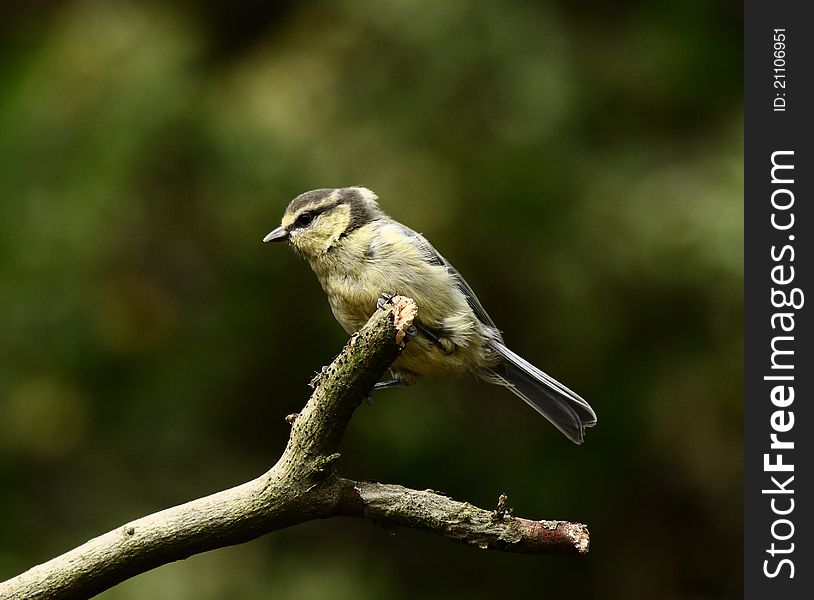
(566, 410)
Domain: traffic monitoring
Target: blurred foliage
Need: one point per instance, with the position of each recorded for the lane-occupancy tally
(579, 162)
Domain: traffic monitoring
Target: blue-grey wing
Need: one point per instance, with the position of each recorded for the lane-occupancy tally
(434, 257)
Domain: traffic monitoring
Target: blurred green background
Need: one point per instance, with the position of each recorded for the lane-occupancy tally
(579, 162)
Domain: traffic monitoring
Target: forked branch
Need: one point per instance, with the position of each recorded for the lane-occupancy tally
(303, 485)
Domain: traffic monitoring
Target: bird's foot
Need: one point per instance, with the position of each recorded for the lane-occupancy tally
(389, 383)
(383, 385)
(384, 300)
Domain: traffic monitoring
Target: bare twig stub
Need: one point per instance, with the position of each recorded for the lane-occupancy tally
(303, 485)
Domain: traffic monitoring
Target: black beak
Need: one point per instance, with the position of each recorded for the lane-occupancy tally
(278, 235)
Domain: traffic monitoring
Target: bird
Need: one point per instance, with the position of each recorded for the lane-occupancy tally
(362, 257)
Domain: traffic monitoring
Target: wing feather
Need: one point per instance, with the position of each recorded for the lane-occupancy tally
(434, 257)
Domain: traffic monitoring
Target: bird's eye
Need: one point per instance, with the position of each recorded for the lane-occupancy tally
(305, 219)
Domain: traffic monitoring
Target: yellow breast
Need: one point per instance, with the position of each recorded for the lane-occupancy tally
(375, 261)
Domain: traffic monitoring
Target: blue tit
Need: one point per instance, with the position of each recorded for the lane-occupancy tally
(359, 254)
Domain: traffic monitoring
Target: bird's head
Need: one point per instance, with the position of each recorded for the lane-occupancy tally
(316, 221)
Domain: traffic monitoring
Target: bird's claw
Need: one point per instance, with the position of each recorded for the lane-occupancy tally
(389, 383)
(384, 300)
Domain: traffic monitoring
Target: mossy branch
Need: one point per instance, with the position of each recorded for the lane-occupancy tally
(303, 485)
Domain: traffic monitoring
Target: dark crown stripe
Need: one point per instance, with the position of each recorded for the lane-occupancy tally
(318, 202)
(308, 199)
(315, 209)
